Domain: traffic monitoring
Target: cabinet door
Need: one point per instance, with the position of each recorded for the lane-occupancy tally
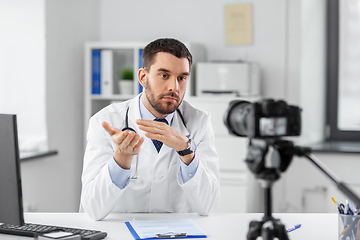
(233, 193)
(216, 109)
(232, 152)
(231, 149)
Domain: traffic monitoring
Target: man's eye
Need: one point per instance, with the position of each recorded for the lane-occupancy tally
(163, 76)
(182, 78)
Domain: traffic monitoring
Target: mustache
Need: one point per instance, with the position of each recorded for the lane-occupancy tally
(170, 94)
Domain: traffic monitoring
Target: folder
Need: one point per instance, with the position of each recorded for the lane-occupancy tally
(167, 229)
(96, 72)
(107, 79)
(140, 66)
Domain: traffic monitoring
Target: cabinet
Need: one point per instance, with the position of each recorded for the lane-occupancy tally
(104, 61)
(234, 180)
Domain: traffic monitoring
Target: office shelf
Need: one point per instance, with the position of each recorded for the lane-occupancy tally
(26, 155)
(122, 55)
(113, 97)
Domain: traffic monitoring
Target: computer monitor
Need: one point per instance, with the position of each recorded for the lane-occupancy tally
(11, 204)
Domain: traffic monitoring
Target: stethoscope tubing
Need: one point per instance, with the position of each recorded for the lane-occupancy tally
(127, 128)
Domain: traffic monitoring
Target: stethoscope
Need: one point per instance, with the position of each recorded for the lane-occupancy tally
(127, 128)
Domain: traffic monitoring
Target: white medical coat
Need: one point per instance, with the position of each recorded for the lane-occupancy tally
(159, 187)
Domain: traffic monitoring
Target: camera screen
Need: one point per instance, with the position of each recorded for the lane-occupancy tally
(273, 126)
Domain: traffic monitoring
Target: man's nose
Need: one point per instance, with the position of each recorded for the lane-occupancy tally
(173, 84)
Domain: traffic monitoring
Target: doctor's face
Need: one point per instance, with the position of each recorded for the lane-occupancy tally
(164, 83)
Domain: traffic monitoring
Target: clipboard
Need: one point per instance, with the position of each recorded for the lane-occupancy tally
(155, 229)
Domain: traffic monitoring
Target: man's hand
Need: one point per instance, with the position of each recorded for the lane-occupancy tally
(127, 145)
(167, 135)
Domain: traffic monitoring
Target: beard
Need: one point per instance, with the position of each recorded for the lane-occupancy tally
(156, 102)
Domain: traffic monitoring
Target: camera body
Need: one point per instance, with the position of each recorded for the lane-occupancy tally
(263, 119)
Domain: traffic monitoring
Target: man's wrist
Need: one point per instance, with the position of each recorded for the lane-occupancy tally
(191, 148)
(123, 160)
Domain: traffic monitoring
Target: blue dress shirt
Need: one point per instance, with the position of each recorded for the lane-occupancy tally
(121, 177)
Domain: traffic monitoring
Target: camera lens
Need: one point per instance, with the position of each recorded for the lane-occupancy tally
(264, 119)
(235, 117)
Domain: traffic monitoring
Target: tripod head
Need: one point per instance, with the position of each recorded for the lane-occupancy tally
(267, 158)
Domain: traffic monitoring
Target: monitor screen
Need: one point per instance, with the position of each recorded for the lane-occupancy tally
(11, 206)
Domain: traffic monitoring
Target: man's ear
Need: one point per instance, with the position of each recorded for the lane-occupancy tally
(141, 76)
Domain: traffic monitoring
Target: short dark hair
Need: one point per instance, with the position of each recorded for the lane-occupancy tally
(167, 45)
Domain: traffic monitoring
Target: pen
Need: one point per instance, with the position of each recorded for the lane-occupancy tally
(338, 206)
(290, 229)
(348, 209)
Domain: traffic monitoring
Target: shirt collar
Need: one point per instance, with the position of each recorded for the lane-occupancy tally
(146, 114)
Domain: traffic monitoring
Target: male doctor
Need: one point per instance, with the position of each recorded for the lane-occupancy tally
(167, 165)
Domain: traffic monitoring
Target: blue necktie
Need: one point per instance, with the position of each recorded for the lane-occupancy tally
(157, 143)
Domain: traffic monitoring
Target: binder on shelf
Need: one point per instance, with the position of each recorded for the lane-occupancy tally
(140, 66)
(96, 71)
(107, 80)
(168, 229)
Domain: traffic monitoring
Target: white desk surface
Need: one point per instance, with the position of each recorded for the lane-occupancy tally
(217, 226)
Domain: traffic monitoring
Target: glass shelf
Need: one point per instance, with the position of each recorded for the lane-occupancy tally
(28, 155)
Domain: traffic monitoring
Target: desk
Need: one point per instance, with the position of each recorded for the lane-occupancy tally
(219, 226)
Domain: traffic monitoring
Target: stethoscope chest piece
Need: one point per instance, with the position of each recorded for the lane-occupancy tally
(127, 128)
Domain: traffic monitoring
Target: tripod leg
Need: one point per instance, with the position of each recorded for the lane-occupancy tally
(280, 230)
(267, 231)
(254, 230)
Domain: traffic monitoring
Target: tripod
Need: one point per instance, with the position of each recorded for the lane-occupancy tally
(268, 168)
(267, 159)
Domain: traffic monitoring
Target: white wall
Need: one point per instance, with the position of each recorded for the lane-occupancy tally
(283, 46)
(22, 69)
(306, 59)
(203, 21)
(53, 184)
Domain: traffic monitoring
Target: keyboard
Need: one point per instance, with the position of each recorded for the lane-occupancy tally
(32, 230)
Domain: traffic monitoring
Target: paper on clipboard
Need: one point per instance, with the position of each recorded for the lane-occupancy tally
(150, 229)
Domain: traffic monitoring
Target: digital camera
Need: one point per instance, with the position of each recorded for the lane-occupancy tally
(263, 119)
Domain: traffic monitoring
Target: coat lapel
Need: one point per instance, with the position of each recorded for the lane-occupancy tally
(134, 113)
(178, 125)
(148, 146)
